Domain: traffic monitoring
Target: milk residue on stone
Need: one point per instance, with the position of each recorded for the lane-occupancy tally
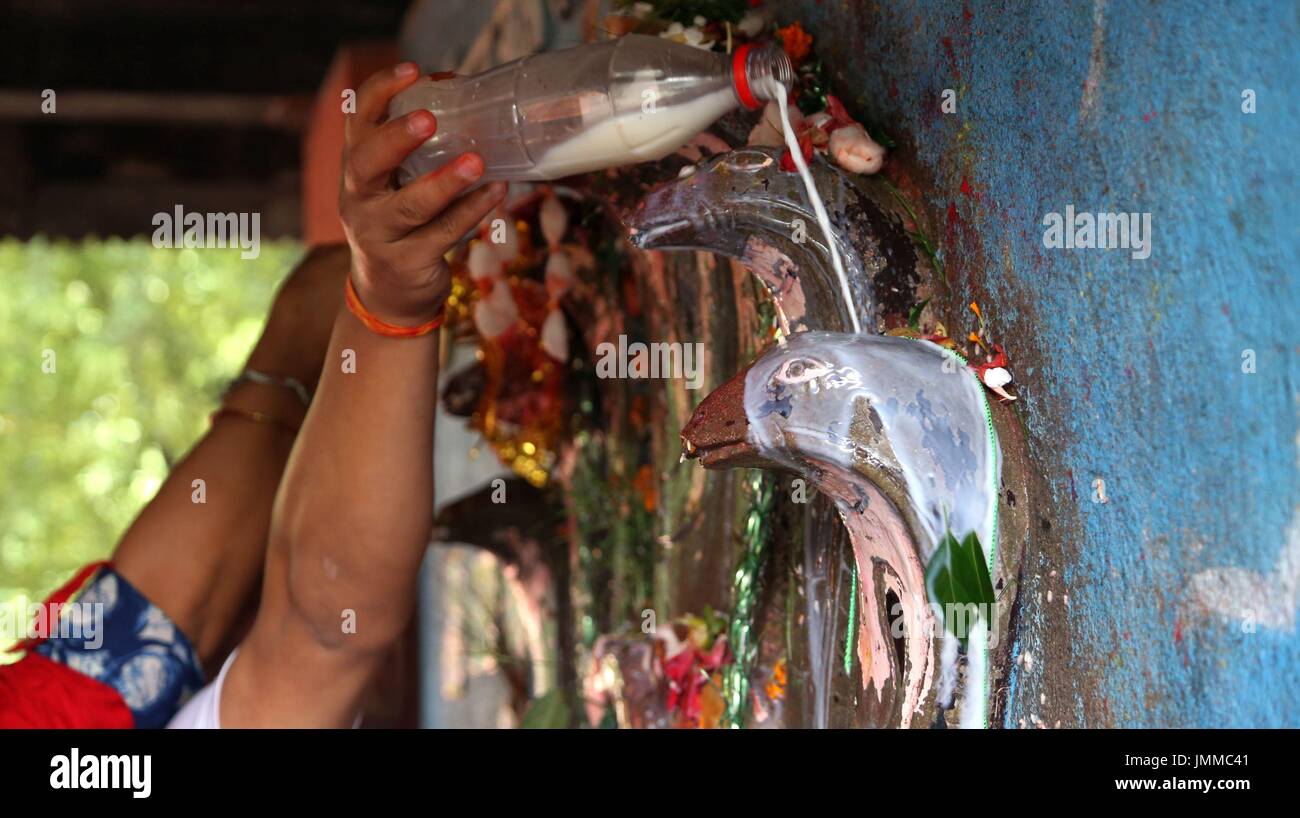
(860, 412)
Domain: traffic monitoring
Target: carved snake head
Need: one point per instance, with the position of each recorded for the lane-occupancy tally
(892, 430)
(905, 415)
(741, 204)
(895, 432)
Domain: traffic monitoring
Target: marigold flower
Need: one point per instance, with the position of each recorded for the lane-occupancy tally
(796, 42)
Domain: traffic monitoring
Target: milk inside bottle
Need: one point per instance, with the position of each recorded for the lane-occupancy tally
(634, 99)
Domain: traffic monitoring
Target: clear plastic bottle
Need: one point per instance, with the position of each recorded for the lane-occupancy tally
(597, 106)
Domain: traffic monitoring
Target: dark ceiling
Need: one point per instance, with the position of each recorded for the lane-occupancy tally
(180, 89)
(237, 46)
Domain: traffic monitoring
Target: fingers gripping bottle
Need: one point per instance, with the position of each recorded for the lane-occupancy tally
(555, 114)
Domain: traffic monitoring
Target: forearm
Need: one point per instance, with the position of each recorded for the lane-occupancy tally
(354, 511)
(198, 548)
(354, 515)
(349, 530)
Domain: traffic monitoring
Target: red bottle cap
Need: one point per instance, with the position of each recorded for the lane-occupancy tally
(740, 78)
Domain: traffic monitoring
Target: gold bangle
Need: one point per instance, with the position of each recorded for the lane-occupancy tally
(255, 416)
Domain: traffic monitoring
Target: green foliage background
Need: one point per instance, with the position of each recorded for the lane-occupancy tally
(144, 341)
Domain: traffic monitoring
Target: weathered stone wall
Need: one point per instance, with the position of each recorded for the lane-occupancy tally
(1174, 601)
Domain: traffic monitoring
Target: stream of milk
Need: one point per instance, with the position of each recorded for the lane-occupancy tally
(777, 90)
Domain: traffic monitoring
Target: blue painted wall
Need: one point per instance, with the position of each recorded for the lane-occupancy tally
(1129, 370)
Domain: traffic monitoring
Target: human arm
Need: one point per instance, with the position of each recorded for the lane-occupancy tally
(354, 510)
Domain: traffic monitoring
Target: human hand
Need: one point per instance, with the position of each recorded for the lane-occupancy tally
(399, 236)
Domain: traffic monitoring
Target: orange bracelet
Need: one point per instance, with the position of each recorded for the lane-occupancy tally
(384, 328)
(253, 415)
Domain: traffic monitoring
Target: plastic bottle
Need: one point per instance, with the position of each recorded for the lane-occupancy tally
(634, 99)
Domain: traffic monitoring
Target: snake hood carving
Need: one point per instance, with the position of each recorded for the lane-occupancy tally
(907, 415)
(895, 432)
(741, 204)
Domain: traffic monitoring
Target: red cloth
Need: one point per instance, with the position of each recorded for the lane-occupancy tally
(38, 693)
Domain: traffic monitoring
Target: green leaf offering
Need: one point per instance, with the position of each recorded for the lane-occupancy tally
(914, 315)
(956, 579)
(550, 712)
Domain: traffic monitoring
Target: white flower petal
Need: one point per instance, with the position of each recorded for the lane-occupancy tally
(996, 377)
(554, 219)
(752, 23)
(496, 312)
(483, 260)
(555, 336)
(820, 119)
(854, 151)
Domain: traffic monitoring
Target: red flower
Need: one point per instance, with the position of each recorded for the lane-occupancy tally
(688, 672)
(999, 358)
(805, 147)
(839, 115)
(796, 42)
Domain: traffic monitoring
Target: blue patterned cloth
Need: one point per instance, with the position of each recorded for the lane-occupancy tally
(135, 649)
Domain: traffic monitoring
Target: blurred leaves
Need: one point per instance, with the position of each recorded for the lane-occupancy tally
(550, 712)
(143, 341)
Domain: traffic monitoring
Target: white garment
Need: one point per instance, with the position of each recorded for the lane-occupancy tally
(203, 712)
